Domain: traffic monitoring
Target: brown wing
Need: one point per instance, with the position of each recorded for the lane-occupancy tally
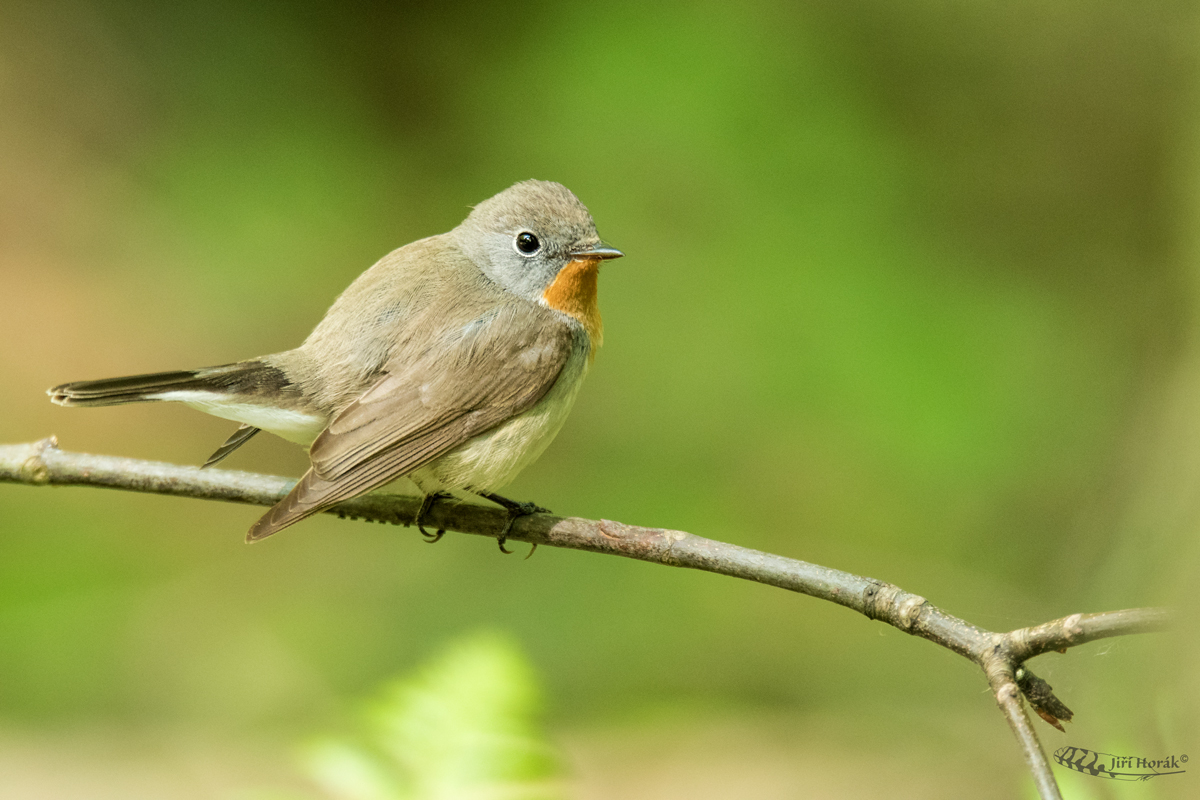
(472, 380)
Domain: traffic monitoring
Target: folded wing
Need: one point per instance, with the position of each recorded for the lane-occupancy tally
(469, 380)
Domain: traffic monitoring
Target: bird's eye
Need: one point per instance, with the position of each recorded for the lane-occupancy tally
(527, 243)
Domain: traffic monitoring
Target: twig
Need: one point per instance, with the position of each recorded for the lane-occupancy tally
(1002, 680)
(1082, 628)
(1000, 655)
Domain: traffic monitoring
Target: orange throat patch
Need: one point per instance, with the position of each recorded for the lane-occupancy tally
(574, 293)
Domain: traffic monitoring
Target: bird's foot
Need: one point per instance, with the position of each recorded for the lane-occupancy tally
(515, 509)
(427, 503)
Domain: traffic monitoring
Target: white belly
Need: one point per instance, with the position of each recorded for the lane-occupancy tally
(489, 461)
(295, 426)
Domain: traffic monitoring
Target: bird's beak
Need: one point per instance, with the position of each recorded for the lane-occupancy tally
(600, 250)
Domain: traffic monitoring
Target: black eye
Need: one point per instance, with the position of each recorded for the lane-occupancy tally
(527, 243)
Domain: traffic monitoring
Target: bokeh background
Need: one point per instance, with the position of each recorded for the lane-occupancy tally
(911, 290)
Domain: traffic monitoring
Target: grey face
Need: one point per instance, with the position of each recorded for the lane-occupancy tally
(523, 236)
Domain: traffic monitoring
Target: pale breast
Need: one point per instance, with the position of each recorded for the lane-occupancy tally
(491, 460)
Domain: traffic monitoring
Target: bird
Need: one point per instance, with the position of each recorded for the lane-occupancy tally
(453, 362)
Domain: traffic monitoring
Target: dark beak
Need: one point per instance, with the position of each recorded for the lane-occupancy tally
(599, 251)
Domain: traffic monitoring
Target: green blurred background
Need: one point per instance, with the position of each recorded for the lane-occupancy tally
(911, 290)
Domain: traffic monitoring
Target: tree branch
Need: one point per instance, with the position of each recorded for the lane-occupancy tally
(999, 655)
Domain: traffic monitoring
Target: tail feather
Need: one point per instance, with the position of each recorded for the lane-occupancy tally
(240, 378)
(115, 391)
(239, 437)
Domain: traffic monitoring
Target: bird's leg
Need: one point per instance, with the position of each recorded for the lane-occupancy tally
(427, 503)
(515, 509)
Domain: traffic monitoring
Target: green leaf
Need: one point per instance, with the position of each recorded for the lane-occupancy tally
(461, 727)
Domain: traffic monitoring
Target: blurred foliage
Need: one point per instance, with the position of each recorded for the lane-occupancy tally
(911, 290)
(461, 727)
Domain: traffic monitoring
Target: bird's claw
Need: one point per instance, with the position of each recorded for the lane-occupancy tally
(427, 503)
(515, 509)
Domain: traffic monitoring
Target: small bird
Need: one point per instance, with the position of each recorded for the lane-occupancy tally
(453, 361)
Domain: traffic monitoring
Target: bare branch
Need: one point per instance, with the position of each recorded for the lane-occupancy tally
(1000, 655)
(1077, 629)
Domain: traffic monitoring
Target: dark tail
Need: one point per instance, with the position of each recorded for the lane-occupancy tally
(244, 377)
(243, 380)
(115, 391)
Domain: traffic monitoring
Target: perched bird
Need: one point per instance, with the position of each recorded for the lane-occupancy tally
(453, 361)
